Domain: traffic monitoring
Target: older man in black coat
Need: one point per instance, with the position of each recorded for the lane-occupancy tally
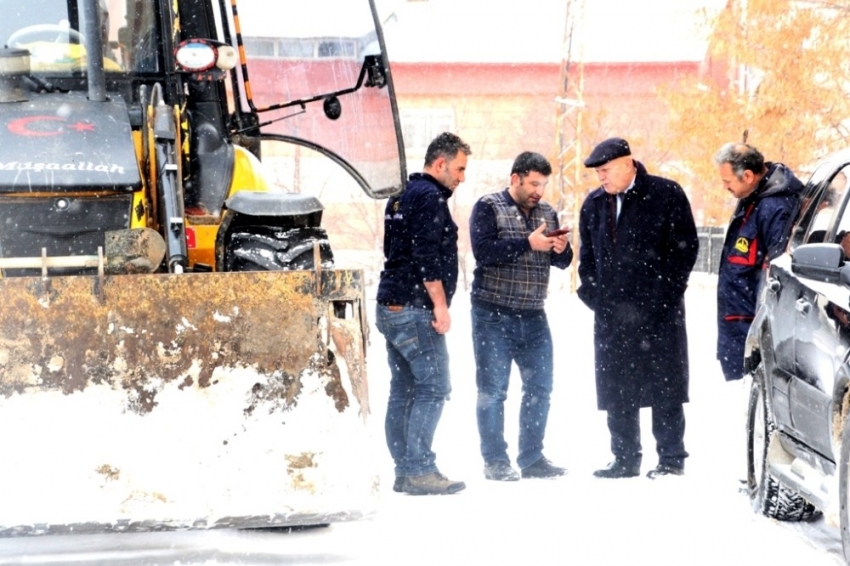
(638, 246)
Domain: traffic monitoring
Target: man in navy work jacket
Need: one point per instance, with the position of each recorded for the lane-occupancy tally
(515, 242)
(638, 246)
(416, 288)
(758, 231)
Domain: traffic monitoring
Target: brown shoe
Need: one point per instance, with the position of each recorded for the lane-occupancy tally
(434, 483)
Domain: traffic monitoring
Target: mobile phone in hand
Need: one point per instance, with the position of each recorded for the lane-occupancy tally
(558, 232)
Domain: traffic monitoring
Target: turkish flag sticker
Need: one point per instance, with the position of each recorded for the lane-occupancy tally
(44, 126)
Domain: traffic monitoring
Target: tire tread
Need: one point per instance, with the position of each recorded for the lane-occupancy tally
(767, 495)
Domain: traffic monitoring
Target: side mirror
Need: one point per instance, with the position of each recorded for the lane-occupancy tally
(332, 107)
(823, 262)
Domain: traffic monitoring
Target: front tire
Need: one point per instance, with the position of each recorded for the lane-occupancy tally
(271, 248)
(767, 495)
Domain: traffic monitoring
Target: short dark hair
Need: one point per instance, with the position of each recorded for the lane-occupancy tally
(529, 161)
(741, 157)
(445, 145)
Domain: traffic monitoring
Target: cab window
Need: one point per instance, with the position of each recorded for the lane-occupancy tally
(51, 30)
(842, 228)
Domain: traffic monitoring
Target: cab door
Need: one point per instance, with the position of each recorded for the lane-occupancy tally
(782, 289)
(781, 295)
(821, 324)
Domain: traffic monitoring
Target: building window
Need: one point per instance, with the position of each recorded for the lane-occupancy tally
(302, 48)
(421, 125)
(294, 49)
(340, 48)
(259, 47)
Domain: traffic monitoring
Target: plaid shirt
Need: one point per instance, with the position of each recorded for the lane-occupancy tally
(507, 272)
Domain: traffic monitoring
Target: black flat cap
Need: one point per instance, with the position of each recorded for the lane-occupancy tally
(612, 148)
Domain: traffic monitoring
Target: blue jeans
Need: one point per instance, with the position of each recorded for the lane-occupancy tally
(420, 384)
(500, 338)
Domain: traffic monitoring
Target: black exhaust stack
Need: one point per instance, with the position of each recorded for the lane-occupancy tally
(94, 50)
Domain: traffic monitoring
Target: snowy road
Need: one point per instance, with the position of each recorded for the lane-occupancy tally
(698, 519)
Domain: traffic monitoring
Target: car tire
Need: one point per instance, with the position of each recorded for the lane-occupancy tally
(269, 248)
(844, 491)
(767, 495)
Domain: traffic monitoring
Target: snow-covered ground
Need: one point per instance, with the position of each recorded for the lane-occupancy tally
(697, 519)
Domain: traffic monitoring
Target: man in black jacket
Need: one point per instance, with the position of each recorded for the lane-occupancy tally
(638, 246)
(414, 295)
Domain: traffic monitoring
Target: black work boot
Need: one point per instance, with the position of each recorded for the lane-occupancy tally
(619, 468)
(398, 484)
(500, 471)
(434, 483)
(543, 468)
(665, 470)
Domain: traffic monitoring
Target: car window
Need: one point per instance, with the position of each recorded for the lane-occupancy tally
(842, 226)
(825, 207)
(803, 220)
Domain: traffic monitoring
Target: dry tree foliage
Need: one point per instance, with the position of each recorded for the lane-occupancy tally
(778, 70)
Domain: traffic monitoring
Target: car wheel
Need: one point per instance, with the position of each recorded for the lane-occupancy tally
(844, 491)
(268, 248)
(767, 495)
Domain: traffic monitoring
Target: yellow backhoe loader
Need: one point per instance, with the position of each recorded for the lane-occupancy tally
(177, 347)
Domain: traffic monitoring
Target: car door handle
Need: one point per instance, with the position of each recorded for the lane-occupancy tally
(803, 306)
(773, 285)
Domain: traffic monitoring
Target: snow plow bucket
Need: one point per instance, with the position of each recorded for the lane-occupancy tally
(201, 400)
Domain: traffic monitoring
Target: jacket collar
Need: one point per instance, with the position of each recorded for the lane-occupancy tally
(778, 179)
(447, 192)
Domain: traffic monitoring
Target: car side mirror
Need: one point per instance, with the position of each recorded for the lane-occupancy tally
(823, 262)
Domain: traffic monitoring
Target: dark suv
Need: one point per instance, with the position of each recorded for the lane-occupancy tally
(798, 437)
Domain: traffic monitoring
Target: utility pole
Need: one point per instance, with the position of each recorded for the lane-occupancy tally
(568, 123)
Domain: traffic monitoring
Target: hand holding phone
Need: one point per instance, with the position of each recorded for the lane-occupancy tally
(557, 232)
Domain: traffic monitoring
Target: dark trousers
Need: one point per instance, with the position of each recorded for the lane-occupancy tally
(668, 428)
